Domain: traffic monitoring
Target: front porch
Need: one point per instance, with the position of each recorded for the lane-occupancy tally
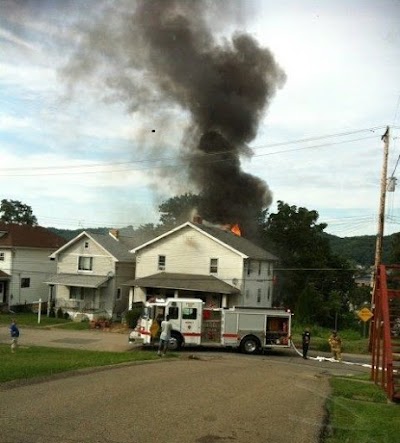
(215, 293)
(80, 295)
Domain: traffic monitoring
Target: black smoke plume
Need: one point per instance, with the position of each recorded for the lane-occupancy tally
(165, 52)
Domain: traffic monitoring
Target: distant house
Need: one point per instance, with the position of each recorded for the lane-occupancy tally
(24, 262)
(90, 272)
(200, 260)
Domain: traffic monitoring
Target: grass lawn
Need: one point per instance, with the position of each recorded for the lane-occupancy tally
(359, 412)
(353, 341)
(31, 320)
(36, 361)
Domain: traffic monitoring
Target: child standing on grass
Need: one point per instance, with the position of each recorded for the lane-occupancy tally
(14, 332)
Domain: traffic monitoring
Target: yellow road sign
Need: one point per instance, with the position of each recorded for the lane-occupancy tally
(365, 314)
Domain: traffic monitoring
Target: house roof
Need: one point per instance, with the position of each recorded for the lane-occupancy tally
(118, 248)
(85, 281)
(13, 235)
(239, 244)
(187, 282)
(4, 275)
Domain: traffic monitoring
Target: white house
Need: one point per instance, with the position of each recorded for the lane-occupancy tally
(24, 263)
(200, 260)
(90, 272)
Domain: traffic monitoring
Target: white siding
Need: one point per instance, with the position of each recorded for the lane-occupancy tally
(68, 259)
(259, 280)
(6, 264)
(35, 265)
(188, 251)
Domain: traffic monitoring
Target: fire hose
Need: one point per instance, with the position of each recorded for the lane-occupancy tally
(330, 359)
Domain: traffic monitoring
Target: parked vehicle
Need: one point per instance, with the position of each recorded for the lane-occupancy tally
(246, 328)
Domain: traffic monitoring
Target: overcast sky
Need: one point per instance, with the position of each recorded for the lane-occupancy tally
(84, 157)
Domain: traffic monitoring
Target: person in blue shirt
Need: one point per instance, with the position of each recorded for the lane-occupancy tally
(14, 332)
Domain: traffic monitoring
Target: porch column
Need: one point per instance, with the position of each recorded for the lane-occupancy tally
(130, 299)
(224, 301)
(176, 293)
(50, 299)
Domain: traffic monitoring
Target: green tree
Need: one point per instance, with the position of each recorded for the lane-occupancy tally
(306, 263)
(13, 211)
(177, 210)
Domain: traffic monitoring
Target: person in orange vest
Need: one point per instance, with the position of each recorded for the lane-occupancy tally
(335, 343)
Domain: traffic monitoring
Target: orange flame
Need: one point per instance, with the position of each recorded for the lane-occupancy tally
(236, 230)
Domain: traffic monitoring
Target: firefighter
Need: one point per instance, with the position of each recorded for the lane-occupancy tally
(335, 343)
(305, 340)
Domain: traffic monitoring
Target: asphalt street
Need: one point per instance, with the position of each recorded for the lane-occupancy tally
(200, 397)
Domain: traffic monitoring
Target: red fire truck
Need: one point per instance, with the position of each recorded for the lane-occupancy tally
(246, 328)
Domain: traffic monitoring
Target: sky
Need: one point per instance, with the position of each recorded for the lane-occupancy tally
(82, 154)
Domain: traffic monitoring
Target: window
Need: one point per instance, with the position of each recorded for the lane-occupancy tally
(258, 295)
(213, 266)
(259, 268)
(85, 263)
(249, 267)
(86, 244)
(161, 262)
(2, 255)
(119, 294)
(25, 282)
(189, 314)
(76, 293)
(173, 312)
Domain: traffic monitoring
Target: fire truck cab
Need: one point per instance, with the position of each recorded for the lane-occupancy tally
(249, 329)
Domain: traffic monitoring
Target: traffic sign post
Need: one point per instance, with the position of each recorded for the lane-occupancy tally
(365, 315)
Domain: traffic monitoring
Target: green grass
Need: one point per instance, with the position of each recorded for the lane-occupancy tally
(31, 320)
(37, 361)
(352, 341)
(359, 412)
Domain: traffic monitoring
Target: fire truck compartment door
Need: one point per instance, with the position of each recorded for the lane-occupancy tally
(191, 323)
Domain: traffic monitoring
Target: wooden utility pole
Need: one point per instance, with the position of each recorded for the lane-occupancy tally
(381, 219)
(381, 224)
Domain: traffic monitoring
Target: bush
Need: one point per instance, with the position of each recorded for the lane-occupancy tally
(132, 316)
(60, 313)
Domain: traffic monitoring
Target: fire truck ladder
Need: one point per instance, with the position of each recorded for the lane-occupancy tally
(385, 331)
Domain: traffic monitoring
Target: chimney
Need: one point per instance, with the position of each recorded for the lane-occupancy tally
(197, 219)
(114, 233)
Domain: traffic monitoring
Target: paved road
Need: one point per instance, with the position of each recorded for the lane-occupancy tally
(216, 397)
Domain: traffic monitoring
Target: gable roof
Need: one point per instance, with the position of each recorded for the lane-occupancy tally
(13, 235)
(234, 242)
(241, 244)
(118, 248)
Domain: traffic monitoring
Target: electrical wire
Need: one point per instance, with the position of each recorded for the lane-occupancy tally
(183, 158)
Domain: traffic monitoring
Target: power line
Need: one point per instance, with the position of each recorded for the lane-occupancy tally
(167, 166)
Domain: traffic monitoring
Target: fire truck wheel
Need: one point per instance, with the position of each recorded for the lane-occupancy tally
(250, 345)
(175, 342)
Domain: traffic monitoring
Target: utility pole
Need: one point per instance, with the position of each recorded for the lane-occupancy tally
(379, 236)
(381, 218)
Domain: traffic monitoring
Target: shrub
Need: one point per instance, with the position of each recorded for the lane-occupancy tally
(132, 316)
